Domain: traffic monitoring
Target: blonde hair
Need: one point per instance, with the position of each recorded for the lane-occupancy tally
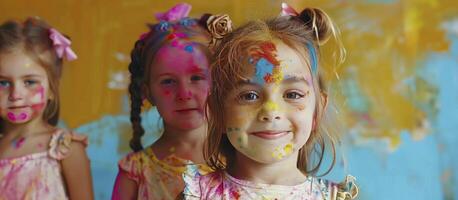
(33, 37)
(312, 27)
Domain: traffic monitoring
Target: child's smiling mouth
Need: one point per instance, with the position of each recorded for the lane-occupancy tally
(270, 135)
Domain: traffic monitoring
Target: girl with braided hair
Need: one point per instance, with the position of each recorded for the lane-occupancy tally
(170, 69)
(267, 132)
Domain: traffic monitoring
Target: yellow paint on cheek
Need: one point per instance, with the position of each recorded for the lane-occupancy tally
(288, 149)
(280, 152)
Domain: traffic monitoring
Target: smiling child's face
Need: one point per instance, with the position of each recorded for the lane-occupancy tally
(269, 115)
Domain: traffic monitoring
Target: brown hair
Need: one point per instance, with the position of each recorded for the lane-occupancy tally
(33, 37)
(312, 27)
(143, 55)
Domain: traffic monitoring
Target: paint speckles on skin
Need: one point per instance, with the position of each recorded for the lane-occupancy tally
(264, 69)
(281, 152)
(275, 77)
(271, 106)
(268, 68)
(19, 117)
(195, 70)
(301, 107)
(189, 48)
(230, 129)
(18, 142)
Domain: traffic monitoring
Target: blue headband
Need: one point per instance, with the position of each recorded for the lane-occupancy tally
(313, 58)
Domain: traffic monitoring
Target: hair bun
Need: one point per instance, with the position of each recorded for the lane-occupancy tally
(203, 20)
(318, 21)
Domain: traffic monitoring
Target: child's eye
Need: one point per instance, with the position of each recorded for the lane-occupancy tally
(249, 96)
(5, 84)
(30, 82)
(197, 78)
(293, 95)
(167, 81)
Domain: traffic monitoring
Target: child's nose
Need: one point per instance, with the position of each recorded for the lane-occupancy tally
(269, 118)
(16, 93)
(184, 93)
(269, 112)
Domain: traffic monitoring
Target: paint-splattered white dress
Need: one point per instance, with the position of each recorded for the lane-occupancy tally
(221, 185)
(38, 175)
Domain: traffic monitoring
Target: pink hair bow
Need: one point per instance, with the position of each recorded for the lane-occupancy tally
(178, 12)
(287, 10)
(61, 45)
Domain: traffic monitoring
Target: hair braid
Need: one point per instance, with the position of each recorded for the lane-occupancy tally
(136, 77)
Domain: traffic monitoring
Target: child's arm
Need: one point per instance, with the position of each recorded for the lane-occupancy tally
(77, 174)
(124, 188)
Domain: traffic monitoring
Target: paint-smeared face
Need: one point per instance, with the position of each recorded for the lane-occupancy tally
(179, 84)
(24, 88)
(269, 116)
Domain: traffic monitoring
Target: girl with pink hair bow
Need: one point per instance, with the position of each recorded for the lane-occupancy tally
(37, 159)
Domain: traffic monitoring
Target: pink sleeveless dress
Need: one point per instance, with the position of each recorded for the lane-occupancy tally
(38, 175)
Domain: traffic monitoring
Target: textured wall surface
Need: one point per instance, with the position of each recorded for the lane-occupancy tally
(396, 94)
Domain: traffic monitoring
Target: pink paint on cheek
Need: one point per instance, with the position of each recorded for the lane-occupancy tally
(22, 116)
(11, 116)
(38, 107)
(36, 96)
(167, 93)
(41, 90)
